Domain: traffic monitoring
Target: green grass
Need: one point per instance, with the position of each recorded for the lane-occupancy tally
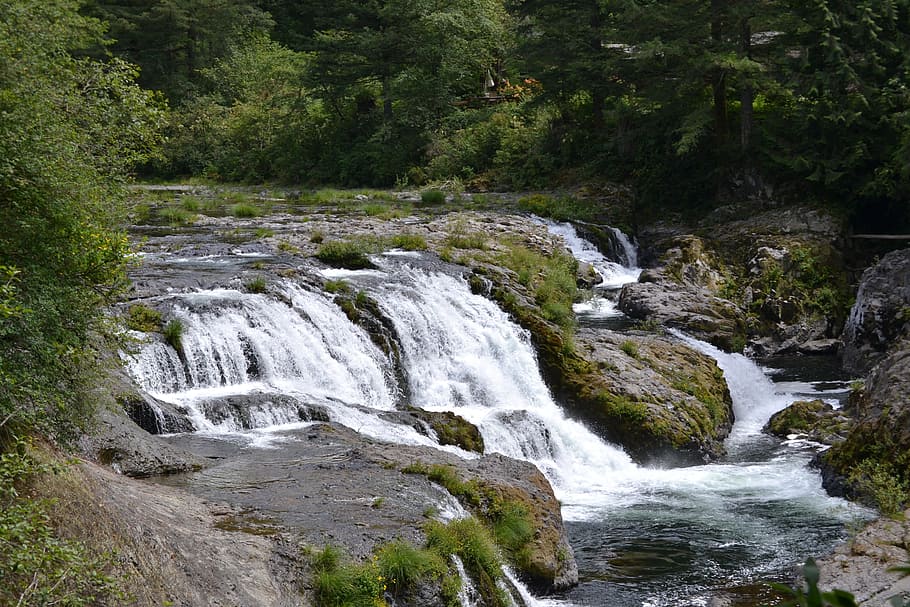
(434, 197)
(345, 254)
(244, 210)
(630, 348)
(256, 285)
(336, 286)
(190, 203)
(409, 242)
(551, 280)
(176, 216)
(264, 233)
(560, 208)
(173, 334)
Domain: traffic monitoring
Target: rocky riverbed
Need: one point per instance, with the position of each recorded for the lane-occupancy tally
(735, 282)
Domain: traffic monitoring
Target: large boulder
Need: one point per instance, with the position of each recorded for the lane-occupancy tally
(813, 419)
(881, 314)
(873, 463)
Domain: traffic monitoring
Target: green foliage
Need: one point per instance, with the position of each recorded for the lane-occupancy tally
(434, 197)
(339, 583)
(881, 485)
(630, 348)
(36, 565)
(550, 279)
(468, 539)
(402, 565)
(256, 285)
(345, 254)
(561, 208)
(336, 286)
(71, 128)
(409, 242)
(264, 233)
(176, 216)
(143, 318)
(811, 595)
(173, 334)
(245, 210)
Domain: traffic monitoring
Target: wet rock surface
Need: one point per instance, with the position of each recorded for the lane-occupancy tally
(881, 315)
(815, 420)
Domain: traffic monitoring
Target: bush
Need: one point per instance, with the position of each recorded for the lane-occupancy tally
(38, 567)
(142, 318)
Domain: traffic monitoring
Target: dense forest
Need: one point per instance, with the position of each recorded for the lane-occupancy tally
(689, 101)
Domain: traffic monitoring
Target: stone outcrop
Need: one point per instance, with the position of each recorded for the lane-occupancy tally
(815, 420)
(877, 446)
(860, 566)
(881, 315)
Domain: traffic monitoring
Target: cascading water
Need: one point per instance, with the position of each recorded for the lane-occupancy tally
(613, 273)
(463, 354)
(641, 536)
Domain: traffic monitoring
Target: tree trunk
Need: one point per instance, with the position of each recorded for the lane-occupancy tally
(719, 78)
(746, 98)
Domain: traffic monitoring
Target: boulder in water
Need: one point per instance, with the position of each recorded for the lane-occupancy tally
(814, 419)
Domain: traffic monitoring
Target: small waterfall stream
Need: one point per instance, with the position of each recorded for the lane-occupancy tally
(642, 536)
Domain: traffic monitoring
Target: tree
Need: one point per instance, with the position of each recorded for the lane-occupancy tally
(171, 40)
(70, 128)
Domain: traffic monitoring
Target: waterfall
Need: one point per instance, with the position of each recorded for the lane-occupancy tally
(615, 273)
(463, 354)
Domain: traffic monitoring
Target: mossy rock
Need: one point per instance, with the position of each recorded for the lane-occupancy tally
(815, 419)
(451, 429)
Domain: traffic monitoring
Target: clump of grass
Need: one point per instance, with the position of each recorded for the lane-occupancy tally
(256, 285)
(340, 583)
(176, 216)
(433, 196)
(550, 279)
(472, 543)
(173, 333)
(264, 233)
(317, 237)
(336, 286)
(376, 208)
(460, 238)
(409, 242)
(190, 203)
(345, 254)
(245, 210)
(285, 247)
(630, 348)
(560, 208)
(140, 317)
(402, 565)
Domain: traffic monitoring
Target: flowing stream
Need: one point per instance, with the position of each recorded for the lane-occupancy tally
(642, 536)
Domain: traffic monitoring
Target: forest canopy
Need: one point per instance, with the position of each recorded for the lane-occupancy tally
(689, 101)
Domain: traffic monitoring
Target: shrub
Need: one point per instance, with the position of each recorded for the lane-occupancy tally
(140, 317)
(36, 566)
(433, 196)
(878, 484)
(173, 334)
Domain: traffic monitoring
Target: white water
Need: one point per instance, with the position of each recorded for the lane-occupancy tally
(614, 273)
(463, 354)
